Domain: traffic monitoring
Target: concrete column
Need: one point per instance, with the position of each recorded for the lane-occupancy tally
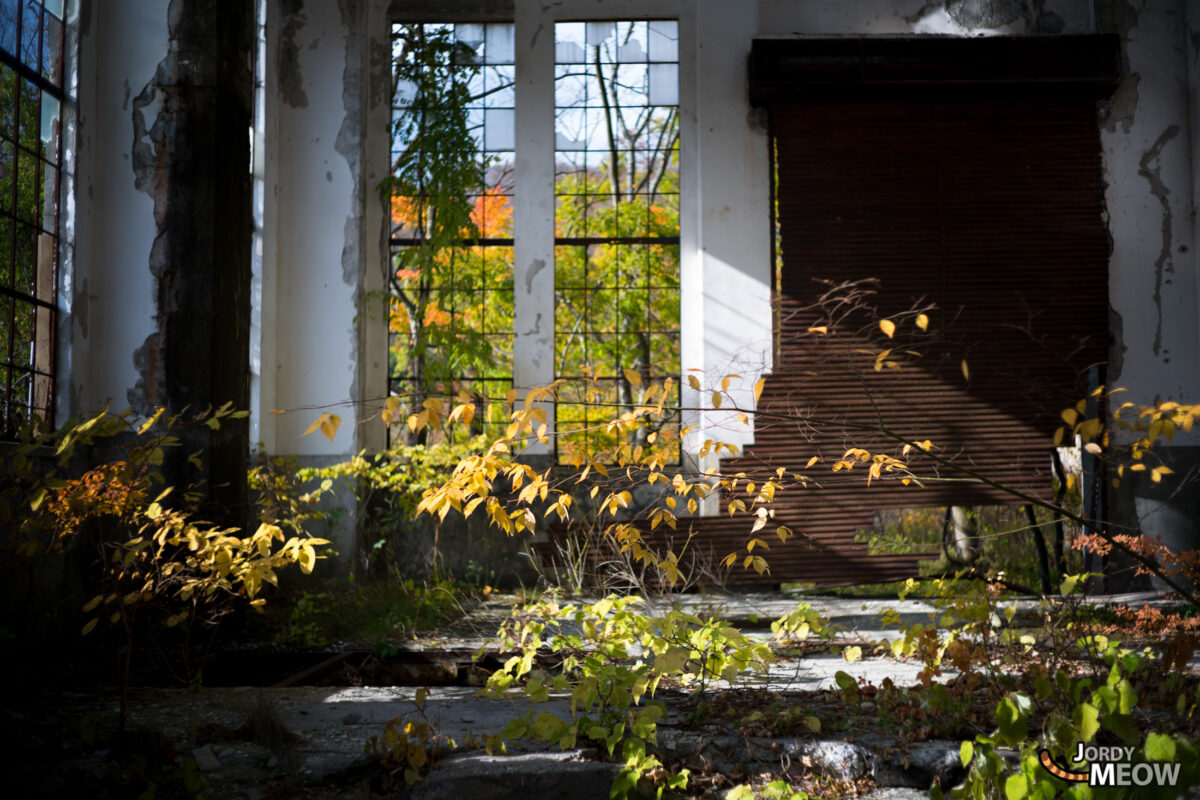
(1149, 151)
(186, 110)
(735, 215)
(533, 216)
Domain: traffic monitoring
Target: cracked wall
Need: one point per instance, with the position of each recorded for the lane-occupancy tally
(1147, 139)
(113, 303)
(1148, 136)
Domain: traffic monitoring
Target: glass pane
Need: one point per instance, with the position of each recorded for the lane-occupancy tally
(569, 40)
(49, 215)
(6, 251)
(9, 11)
(28, 186)
(31, 28)
(7, 170)
(8, 92)
(22, 345)
(406, 91)
(664, 84)
(664, 41)
(52, 49)
(631, 41)
(600, 33)
(55, 7)
(48, 129)
(499, 132)
(26, 260)
(470, 40)
(28, 121)
(500, 43)
(499, 83)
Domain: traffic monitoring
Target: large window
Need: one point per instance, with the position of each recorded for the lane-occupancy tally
(31, 97)
(616, 223)
(450, 286)
(616, 190)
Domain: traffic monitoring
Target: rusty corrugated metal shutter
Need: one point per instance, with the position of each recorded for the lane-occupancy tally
(993, 211)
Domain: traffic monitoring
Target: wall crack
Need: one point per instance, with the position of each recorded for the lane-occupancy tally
(1150, 167)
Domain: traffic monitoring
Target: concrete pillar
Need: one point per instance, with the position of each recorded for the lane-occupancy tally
(186, 112)
(533, 216)
(1149, 153)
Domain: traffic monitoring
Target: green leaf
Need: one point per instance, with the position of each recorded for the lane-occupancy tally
(516, 728)
(1087, 720)
(1011, 718)
(1159, 747)
(1016, 787)
(966, 751)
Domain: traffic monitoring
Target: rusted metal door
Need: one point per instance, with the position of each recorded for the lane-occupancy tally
(991, 211)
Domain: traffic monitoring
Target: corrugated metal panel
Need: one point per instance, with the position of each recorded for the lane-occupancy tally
(993, 211)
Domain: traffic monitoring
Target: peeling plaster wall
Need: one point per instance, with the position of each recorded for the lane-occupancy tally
(1150, 154)
(311, 239)
(113, 304)
(1148, 142)
(323, 233)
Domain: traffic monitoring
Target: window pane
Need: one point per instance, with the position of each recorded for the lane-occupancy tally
(499, 130)
(664, 84)
(664, 41)
(52, 40)
(500, 49)
(9, 12)
(31, 30)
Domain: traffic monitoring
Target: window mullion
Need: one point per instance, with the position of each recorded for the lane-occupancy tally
(533, 310)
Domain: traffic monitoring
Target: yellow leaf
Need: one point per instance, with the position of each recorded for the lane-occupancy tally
(306, 557)
(922, 321)
(693, 382)
(966, 371)
(818, 329)
(87, 628)
(633, 378)
(1069, 416)
(758, 388)
(852, 654)
(320, 421)
(716, 399)
(1092, 448)
(330, 426)
(277, 411)
(812, 461)
(888, 327)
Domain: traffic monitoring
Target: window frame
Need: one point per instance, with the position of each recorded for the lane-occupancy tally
(48, 76)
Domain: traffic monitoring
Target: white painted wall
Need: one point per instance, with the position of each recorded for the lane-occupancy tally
(112, 291)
